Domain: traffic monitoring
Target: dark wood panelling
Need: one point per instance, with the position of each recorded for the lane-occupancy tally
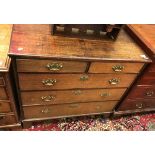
(142, 92)
(137, 104)
(147, 79)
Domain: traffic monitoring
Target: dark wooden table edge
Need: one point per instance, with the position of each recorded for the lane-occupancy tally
(128, 112)
(141, 41)
(10, 126)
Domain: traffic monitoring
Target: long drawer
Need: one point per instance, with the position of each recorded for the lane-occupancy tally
(99, 67)
(4, 106)
(71, 81)
(151, 68)
(148, 79)
(34, 65)
(142, 92)
(137, 104)
(70, 96)
(7, 119)
(3, 95)
(68, 109)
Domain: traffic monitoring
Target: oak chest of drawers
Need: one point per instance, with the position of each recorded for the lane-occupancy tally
(8, 110)
(141, 97)
(63, 77)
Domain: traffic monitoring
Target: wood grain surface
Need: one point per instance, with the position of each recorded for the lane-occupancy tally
(68, 109)
(44, 45)
(70, 96)
(35, 65)
(5, 37)
(72, 81)
(140, 104)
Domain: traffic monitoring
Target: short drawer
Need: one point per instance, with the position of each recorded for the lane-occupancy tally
(34, 65)
(147, 79)
(136, 104)
(99, 67)
(71, 81)
(7, 120)
(68, 109)
(4, 106)
(3, 95)
(70, 96)
(142, 92)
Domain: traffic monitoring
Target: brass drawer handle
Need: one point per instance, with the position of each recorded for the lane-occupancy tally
(98, 107)
(54, 66)
(47, 98)
(49, 82)
(118, 68)
(139, 105)
(73, 105)
(105, 94)
(84, 78)
(150, 93)
(77, 92)
(114, 81)
(45, 111)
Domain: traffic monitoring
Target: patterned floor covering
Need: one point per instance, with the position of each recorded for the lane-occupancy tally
(98, 123)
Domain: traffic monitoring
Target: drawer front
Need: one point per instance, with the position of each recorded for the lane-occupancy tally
(2, 82)
(99, 67)
(4, 107)
(7, 120)
(3, 95)
(151, 67)
(71, 81)
(142, 92)
(137, 104)
(68, 109)
(29, 65)
(70, 96)
(147, 79)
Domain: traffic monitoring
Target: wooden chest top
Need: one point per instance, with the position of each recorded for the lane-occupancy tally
(37, 41)
(5, 36)
(145, 35)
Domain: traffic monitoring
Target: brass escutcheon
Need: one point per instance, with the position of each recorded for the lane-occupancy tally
(84, 78)
(47, 98)
(49, 82)
(150, 93)
(139, 105)
(105, 94)
(45, 111)
(114, 81)
(118, 68)
(77, 92)
(54, 66)
(98, 107)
